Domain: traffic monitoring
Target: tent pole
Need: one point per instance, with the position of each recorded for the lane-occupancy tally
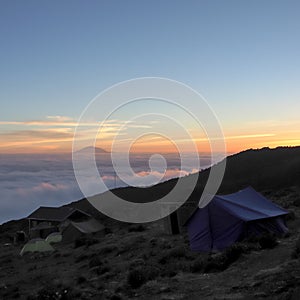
(210, 231)
(29, 228)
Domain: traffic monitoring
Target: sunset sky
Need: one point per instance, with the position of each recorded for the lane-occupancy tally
(56, 56)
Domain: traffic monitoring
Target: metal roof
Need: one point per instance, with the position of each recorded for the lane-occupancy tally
(59, 214)
(89, 226)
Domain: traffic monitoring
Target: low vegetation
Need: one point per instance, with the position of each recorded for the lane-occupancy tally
(143, 262)
(131, 265)
(296, 250)
(85, 241)
(267, 241)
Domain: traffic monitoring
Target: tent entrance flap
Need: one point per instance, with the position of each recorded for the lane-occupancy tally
(272, 225)
(199, 231)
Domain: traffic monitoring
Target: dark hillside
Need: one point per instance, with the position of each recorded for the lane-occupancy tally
(266, 170)
(263, 169)
(146, 262)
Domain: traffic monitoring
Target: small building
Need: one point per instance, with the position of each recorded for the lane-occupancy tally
(75, 230)
(46, 220)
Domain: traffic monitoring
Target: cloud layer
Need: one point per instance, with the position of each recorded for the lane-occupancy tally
(29, 181)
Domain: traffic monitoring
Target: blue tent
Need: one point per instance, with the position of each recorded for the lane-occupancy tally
(230, 218)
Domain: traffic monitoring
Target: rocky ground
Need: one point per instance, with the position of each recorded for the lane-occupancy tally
(143, 262)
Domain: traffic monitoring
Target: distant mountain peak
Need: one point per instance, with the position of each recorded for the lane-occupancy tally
(90, 149)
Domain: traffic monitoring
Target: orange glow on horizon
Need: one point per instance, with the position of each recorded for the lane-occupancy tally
(56, 134)
(59, 138)
(144, 146)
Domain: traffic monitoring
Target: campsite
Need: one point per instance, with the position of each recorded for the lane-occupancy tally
(149, 150)
(146, 261)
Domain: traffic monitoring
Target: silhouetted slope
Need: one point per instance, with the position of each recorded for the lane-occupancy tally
(86, 270)
(263, 169)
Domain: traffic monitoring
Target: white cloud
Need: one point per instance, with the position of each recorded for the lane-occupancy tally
(29, 181)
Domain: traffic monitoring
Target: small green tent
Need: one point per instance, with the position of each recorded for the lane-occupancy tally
(54, 237)
(36, 245)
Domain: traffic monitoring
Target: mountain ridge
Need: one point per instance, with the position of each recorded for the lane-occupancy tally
(264, 169)
(91, 149)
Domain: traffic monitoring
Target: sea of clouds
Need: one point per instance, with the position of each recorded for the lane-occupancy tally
(30, 181)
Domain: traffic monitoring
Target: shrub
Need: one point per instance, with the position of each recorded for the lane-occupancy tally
(151, 272)
(81, 279)
(298, 246)
(116, 297)
(233, 253)
(153, 242)
(102, 269)
(91, 241)
(294, 254)
(162, 259)
(55, 293)
(56, 254)
(141, 275)
(136, 262)
(220, 261)
(136, 228)
(85, 241)
(290, 216)
(107, 249)
(296, 202)
(175, 253)
(6, 260)
(267, 241)
(107, 230)
(296, 251)
(170, 270)
(66, 254)
(95, 262)
(198, 265)
(216, 263)
(79, 242)
(81, 257)
(33, 267)
(251, 239)
(136, 278)
(11, 292)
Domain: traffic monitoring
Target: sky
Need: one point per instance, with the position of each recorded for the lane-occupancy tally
(57, 56)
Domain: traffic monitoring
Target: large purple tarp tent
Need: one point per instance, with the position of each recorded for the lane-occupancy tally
(230, 218)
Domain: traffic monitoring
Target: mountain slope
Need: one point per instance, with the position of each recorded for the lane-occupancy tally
(263, 169)
(266, 170)
(145, 262)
